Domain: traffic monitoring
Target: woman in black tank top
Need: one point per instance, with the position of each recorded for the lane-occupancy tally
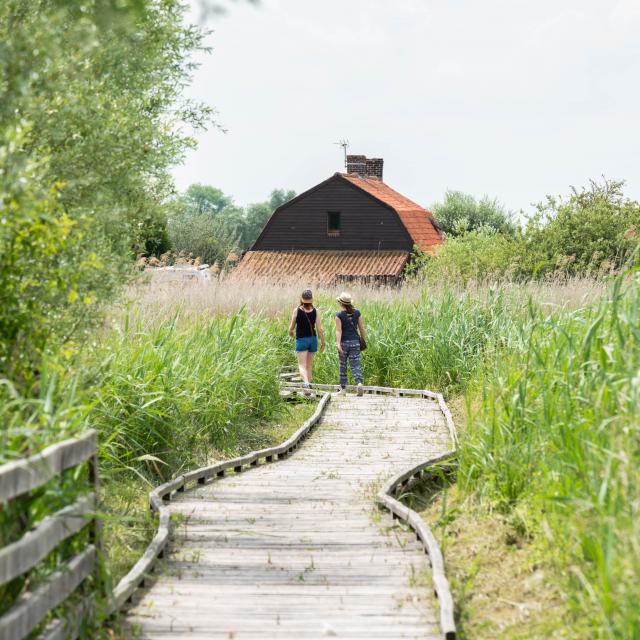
(305, 321)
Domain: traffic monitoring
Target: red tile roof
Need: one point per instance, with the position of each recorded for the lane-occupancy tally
(319, 266)
(418, 222)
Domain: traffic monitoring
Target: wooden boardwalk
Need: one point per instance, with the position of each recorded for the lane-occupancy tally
(297, 549)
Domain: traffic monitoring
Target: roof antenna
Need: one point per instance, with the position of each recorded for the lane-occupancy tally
(344, 144)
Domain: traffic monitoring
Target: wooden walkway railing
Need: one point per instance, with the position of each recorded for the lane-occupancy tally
(161, 495)
(31, 608)
(18, 558)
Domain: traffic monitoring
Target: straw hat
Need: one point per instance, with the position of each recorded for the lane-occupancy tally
(345, 298)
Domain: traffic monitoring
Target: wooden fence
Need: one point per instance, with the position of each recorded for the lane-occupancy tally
(32, 607)
(18, 558)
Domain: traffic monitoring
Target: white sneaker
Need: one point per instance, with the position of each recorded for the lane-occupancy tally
(342, 392)
(360, 389)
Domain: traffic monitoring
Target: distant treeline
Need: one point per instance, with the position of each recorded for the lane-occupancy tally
(205, 222)
(591, 232)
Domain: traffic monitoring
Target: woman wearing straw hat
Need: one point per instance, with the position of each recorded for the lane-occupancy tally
(350, 341)
(306, 322)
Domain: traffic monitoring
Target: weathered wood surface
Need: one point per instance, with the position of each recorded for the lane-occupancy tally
(22, 555)
(21, 476)
(30, 609)
(298, 549)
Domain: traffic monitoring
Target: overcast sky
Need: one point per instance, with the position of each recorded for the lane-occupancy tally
(512, 98)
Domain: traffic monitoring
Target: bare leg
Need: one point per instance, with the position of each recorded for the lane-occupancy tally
(310, 365)
(302, 365)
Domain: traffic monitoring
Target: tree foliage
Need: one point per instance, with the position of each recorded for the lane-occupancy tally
(90, 116)
(593, 231)
(461, 213)
(207, 223)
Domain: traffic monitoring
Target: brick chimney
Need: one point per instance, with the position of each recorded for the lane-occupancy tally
(374, 167)
(357, 164)
(365, 167)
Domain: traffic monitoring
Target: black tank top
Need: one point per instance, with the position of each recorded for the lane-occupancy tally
(306, 326)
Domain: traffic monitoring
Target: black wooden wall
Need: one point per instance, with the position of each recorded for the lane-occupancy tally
(366, 223)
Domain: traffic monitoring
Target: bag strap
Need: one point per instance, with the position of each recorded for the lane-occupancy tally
(353, 325)
(313, 333)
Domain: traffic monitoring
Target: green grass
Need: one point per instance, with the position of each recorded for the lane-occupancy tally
(437, 340)
(553, 440)
(169, 391)
(555, 437)
(552, 444)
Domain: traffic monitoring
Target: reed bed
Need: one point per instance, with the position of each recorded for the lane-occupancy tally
(157, 292)
(167, 392)
(555, 438)
(549, 371)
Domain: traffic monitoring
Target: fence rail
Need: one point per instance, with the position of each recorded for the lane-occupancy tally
(18, 478)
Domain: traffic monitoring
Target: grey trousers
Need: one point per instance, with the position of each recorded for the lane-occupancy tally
(350, 353)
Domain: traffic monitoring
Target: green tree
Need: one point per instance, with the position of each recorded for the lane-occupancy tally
(201, 235)
(258, 214)
(207, 210)
(461, 212)
(206, 200)
(91, 116)
(595, 228)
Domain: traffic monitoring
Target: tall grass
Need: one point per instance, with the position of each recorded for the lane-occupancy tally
(169, 391)
(436, 340)
(555, 436)
(551, 375)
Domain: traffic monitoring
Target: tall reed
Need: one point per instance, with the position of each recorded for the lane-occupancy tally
(437, 340)
(168, 391)
(555, 433)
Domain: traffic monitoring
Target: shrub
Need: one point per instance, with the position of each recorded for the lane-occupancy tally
(55, 270)
(201, 235)
(594, 230)
(461, 213)
(480, 255)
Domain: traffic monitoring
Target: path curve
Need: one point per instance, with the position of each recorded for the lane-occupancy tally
(297, 549)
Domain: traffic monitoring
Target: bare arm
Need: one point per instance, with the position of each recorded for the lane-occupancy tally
(292, 324)
(320, 330)
(339, 333)
(363, 333)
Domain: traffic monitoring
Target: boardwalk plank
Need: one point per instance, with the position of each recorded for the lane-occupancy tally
(297, 549)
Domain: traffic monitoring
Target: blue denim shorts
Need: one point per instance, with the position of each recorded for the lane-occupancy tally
(307, 344)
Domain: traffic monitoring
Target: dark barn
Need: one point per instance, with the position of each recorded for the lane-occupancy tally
(352, 226)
